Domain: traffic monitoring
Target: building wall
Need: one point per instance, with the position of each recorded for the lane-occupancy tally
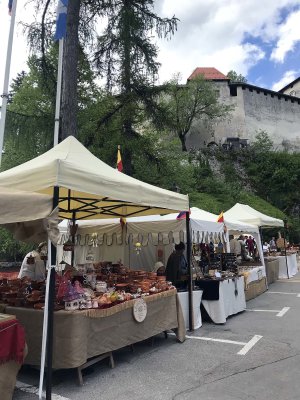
(254, 110)
(293, 89)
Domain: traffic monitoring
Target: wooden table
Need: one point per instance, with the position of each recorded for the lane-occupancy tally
(82, 335)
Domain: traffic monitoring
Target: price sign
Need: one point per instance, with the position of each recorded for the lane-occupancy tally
(139, 310)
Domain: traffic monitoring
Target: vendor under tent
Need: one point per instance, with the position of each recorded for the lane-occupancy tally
(84, 187)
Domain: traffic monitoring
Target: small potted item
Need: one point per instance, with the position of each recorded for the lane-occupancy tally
(68, 245)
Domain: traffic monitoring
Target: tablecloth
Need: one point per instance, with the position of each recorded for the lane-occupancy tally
(12, 353)
(291, 263)
(184, 302)
(253, 274)
(79, 336)
(228, 303)
(272, 269)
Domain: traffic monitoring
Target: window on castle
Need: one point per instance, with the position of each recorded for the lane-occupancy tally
(233, 91)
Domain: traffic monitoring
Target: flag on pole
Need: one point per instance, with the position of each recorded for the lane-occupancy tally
(182, 215)
(221, 217)
(61, 19)
(10, 4)
(119, 161)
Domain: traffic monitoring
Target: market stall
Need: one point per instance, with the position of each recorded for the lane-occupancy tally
(287, 265)
(222, 299)
(83, 187)
(83, 334)
(247, 214)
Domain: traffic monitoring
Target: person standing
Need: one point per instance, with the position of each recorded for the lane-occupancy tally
(33, 266)
(235, 248)
(176, 269)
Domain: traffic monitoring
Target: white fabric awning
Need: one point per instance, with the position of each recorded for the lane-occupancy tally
(247, 214)
(88, 186)
(20, 206)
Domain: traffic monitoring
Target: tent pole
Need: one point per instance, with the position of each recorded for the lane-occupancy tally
(73, 234)
(49, 348)
(284, 241)
(190, 272)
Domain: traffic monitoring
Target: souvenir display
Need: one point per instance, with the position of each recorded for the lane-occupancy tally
(99, 285)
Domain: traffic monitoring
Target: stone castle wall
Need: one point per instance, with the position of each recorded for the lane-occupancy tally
(254, 109)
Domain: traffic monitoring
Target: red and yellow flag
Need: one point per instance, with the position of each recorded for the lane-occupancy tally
(119, 161)
(221, 217)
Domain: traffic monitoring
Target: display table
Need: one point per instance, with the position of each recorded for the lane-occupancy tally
(272, 269)
(80, 335)
(291, 263)
(229, 303)
(255, 281)
(252, 274)
(184, 302)
(12, 352)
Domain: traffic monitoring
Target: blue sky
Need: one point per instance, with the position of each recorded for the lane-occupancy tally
(257, 38)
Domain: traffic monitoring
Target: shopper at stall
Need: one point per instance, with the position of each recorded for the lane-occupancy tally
(272, 244)
(176, 269)
(235, 248)
(33, 266)
(250, 245)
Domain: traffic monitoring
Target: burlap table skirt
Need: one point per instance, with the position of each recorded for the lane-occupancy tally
(80, 335)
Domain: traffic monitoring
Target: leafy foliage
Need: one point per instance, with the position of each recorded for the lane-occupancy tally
(235, 77)
(195, 100)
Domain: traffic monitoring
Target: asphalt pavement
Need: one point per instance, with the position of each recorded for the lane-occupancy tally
(255, 355)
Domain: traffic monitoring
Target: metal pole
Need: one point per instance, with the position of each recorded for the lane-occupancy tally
(6, 75)
(58, 90)
(190, 272)
(284, 241)
(49, 349)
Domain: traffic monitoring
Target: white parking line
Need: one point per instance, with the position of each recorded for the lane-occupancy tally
(215, 340)
(24, 387)
(280, 313)
(294, 294)
(283, 311)
(246, 345)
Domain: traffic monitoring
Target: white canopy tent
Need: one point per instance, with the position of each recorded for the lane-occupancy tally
(247, 214)
(157, 229)
(233, 226)
(88, 187)
(153, 232)
(84, 187)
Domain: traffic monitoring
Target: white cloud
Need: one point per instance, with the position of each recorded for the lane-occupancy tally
(214, 33)
(211, 33)
(288, 77)
(289, 35)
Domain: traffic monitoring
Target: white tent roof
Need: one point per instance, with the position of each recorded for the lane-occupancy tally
(247, 214)
(95, 189)
(231, 223)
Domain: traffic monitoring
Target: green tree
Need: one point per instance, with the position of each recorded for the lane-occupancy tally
(235, 77)
(194, 101)
(126, 56)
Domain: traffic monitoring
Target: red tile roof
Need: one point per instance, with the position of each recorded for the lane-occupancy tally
(209, 73)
